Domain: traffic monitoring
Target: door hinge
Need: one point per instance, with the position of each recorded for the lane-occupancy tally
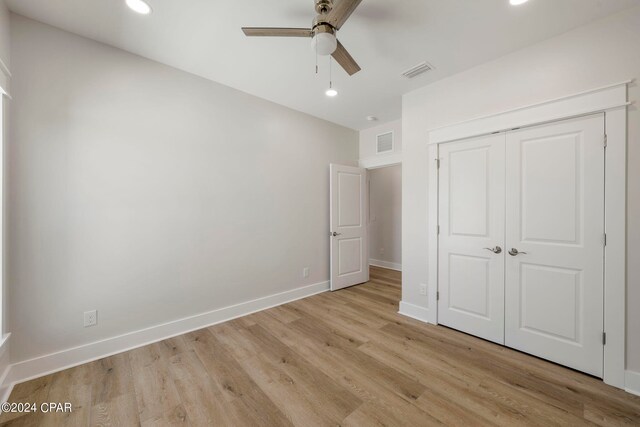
(437, 295)
(438, 230)
(438, 163)
(604, 338)
(605, 239)
(605, 140)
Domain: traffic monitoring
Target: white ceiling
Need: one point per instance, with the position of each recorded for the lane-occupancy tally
(386, 37)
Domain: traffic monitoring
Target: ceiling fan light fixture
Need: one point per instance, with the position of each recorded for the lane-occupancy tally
(322, 32)
(324, 43)
(139, 6)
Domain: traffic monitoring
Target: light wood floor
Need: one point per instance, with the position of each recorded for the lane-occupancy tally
(344, 358)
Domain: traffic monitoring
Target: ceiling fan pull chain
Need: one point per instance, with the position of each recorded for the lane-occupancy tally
(330, 75)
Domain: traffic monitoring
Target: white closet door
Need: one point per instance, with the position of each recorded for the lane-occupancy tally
(555, 242)
(471, 257)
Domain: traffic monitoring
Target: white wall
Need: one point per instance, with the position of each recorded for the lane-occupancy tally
(150, 194)
(5, 60)
(4, 108)
(368, 144)
(4, 33)
(600, 53)
(385, 217)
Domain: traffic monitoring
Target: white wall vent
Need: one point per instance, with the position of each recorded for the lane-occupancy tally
(384, 143)
(412, 72)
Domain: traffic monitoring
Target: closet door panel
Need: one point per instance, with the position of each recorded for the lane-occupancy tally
(471, 276)
(555, 242)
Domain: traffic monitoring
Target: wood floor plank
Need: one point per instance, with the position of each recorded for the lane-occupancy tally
(274, 379)
(71, 385)
(155, 392)
(249, 405)
(343, 358)
(487, 376)
(117, 411)
(111, 378)
(34, 391)
(347, 350)
(199, 394)
(370, 388)
(337, 401)
(177, 416)
(540, 380)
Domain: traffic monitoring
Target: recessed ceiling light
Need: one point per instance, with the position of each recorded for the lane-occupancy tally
(139, 6)
(372, 118)
(331, 92)
(517, 2)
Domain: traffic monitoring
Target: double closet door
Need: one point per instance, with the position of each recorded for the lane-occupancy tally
(521, 244)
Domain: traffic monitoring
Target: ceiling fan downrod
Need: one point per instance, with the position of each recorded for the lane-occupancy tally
(323, 7)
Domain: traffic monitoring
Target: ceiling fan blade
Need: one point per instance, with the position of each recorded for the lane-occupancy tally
(277, 32)
(341, 12)
(345, 60)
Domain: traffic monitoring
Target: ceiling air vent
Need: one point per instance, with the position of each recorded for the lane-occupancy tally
(385, 143)
(412, 72)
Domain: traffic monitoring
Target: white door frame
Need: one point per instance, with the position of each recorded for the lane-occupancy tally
(612, 101)
(383, 162)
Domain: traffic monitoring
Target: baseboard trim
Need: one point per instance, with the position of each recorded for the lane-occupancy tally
(414, 311)
(385, 264)
(61, 360)
(5, 387)
(632, 382)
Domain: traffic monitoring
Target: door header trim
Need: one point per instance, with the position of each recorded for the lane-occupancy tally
(595, 100)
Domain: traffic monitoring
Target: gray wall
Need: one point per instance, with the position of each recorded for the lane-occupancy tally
(150, 194)
(4, 82)
(601, 53)
(385, 214)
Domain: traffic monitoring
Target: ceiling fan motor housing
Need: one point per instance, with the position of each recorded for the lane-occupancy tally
(324, 40)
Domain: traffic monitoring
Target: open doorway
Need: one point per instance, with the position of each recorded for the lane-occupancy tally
(385, 217)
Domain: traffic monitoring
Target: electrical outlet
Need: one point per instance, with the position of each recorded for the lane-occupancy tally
(423, 289)
(90, 318)
(381, 251)
(305, 272)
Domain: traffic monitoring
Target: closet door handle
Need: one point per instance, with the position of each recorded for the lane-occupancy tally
(496, 250)
(515, 252)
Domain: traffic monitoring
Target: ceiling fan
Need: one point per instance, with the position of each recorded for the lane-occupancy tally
(322, 32)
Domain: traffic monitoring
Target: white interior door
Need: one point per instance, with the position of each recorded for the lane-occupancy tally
(555, 242)
(471, 255)
(349, 245)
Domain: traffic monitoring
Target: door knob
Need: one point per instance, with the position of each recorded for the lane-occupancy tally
(334, 234)
(496, 250)
(515, 252)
